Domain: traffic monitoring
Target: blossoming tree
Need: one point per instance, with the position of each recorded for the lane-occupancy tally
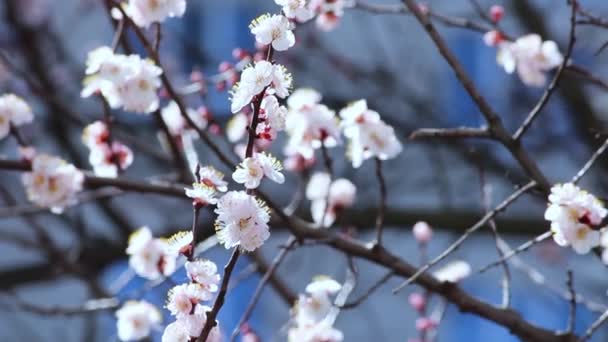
(279, 129)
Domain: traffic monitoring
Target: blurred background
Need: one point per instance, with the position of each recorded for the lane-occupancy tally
(385, 58)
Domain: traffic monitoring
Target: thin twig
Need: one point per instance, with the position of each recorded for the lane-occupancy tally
(369, 292)
(382, 202)
(572, 315)
(290, 243)
(456, 244)
(522, 248)
(459, 132)
(595, 326)
(544, 99)
(581, 173)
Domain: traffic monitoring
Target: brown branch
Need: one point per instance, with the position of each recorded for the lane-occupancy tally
(572, 315)
(382, 203)
(494, 122)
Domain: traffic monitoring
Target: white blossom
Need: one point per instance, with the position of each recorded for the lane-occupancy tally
(236, 128)
(575, 216)
(254, 79)
(531, 57)
(124, 81)
(296, 9)
(329, 12)
(329, 198)
(179, 243)
(242, 221)
(368, 135)
(53, 183)
(103, 159)
(311, 313)
(604, 244)
(13, 111)
(310, 126)
(182, 298)
(211, 177)
(274, 113)
(281, 81)
(176, 123)
(453, 272)
(175, 332)
(204, 273)
(148, 255)
(303, 97)
(319, 332)
(135, 320)
(275, 30)
(201, 194)
(252, 169)
(146, 12)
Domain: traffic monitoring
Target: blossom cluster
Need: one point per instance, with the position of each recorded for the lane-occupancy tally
(185, 303)
(328, 12)
(146, 12)
(312, 318)
(52, 182)
(14, 111)
(328, 198)
(529, 55)
(575, 216)
(107, 158)
(126, 81)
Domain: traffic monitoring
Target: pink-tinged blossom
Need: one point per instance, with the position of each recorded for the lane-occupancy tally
(497, 12)
(176, 123)
(273, 113)
(417, 301)
(275, 30)
(124, 81)
(296, 9)
(531, 57)
(211, 177)
(329, 12)
(183, 298)
(204, 273)
(368, 135)
(425, 324)
(53, 183)
(146, 12)
(422, 232)
(309, 126)
(575, 217)
(13, 111)
(242, 221)
(136, 319)
(329, 198)
(148, 255)
(453, 272)
(189, 327)
(103, 159)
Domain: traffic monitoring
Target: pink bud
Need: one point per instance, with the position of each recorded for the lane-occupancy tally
(239, 54)
(215, 129)
(496, 13)
(197, 76)
(163, 93)
(425, 324)
(422, 232)
(417, 301)
(224, 66)
(492, 38)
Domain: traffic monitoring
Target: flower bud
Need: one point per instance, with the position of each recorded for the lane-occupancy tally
(425, 324)
(422, 232)
(496, 13)
(417, 301)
